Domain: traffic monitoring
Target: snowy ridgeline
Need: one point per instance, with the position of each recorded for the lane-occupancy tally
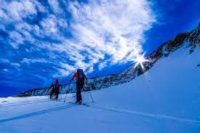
(191, 39)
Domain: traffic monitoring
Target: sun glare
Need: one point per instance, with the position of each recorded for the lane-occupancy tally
(140, 60)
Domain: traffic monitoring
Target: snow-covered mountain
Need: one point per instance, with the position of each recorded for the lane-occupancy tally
(164, 99)
(191, 40)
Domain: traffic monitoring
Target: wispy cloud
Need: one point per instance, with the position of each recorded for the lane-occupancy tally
(34, 60)
(113, 28)
(16, 10)
(96, 33)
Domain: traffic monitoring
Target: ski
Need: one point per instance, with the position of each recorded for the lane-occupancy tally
(83, 104)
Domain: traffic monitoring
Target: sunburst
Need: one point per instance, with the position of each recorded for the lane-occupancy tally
(140, 60)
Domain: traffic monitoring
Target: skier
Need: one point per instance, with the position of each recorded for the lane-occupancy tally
(80, 81)
(55, 89)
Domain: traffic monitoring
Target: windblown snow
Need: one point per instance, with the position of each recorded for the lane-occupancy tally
(166, 99)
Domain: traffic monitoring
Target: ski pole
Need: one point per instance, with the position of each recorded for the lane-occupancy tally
(67, 92)
(91, 95)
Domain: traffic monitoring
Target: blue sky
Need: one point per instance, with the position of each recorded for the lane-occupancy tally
(48, 39)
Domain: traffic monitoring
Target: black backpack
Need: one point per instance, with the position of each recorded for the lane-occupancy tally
(81, 76)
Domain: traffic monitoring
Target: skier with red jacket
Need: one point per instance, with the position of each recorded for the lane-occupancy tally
(80, 77)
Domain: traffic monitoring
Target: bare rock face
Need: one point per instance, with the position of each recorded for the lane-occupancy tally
(194, 39)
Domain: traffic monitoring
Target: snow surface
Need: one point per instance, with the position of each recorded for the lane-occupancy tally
(166, 99)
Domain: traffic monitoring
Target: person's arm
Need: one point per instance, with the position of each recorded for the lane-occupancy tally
(74, 76)
(51, 87)
(86, 78)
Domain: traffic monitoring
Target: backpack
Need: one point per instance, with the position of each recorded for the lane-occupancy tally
(81, 76)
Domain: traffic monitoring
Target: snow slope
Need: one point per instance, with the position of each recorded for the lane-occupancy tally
(166, 99)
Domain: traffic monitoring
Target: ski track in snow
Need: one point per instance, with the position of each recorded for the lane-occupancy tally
(144, 114)
(100, 107)
(24, 104)
(39, 101)
(23, 116)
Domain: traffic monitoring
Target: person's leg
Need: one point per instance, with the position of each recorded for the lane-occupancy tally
(56, 94)
(51, 94)
(77, 93)
(81, 87)
(79, 96)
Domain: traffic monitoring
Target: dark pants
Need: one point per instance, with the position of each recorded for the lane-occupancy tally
(54, 92)
(79, 87)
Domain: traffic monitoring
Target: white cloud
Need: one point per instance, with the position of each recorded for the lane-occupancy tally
(102, 65)
(39, 6)
(50, 25)
(16, 10)
(4, 60)
(2, 14)
(90, 70)
(5, 70)
(29, 61)
(16, 65)
(65, 70)
(67, 66)
(16, 39)
(100, 29)
(21, 34)
(55, 6)
(112, 27)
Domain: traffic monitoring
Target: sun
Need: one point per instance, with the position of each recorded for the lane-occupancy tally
(140, 60)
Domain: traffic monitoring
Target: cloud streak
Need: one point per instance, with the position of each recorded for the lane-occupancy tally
(112, 28)
(90, 35)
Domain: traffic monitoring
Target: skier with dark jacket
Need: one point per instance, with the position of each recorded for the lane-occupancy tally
(54, 89)
(80, 77)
